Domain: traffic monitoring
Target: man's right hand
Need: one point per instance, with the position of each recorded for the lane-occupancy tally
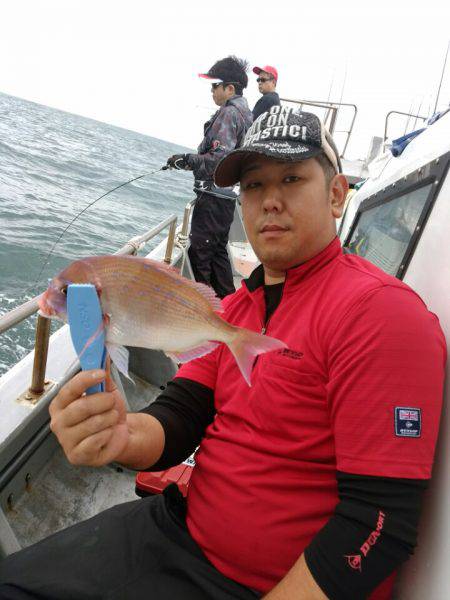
(179, 162)
(92, 429)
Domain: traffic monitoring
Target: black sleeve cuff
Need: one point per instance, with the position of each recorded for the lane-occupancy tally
(373, 530)
(184, 409)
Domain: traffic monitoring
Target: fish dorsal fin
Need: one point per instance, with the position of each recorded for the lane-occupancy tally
(159, 265)
(209, 294)
(206, 291)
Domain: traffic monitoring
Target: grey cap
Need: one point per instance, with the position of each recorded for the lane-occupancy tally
(283, 133)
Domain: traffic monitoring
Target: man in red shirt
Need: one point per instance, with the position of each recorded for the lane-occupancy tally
(308, 484)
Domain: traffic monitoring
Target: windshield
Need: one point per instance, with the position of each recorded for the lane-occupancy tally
(383, 232)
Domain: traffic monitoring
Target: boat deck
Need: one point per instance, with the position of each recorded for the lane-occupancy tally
(62, 495)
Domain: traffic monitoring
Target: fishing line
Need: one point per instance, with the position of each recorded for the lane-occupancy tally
(163, 168)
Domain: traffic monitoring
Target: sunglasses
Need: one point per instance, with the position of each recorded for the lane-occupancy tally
(224, 83)
(264, 79)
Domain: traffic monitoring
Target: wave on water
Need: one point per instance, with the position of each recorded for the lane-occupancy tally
(52, 165)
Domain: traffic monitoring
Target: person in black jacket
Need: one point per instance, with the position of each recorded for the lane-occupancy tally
(267, 82)
(214, 209)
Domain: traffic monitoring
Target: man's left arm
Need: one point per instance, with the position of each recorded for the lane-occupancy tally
(386, 371)
(224, 133)
(373, 531)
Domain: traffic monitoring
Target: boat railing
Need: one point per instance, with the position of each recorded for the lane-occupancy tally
(39, 386)
(331, 111)
(405, 114)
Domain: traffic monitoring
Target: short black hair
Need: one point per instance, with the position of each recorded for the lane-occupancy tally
(231, 70)
(327, 168)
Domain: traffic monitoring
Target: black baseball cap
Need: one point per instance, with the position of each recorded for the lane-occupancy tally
(230, 69)
(283, 133)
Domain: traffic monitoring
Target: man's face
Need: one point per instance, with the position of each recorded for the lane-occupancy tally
(266, 82)
(221, 93)
(289, 210)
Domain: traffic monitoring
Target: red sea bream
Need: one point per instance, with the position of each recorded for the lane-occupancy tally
(149, 305)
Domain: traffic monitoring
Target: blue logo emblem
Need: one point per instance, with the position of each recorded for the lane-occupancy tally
(408, 421)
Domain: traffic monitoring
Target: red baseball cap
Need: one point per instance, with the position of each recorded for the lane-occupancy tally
(267, 69)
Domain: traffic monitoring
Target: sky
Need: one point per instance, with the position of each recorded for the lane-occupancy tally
(134, 63)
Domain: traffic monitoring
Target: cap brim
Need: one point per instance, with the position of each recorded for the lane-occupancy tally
(257, 70)
(209, 79)
(228, 171)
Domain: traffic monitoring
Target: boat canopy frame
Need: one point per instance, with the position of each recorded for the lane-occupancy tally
(331, 115)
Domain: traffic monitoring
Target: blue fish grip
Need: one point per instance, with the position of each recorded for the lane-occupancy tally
(85, 318)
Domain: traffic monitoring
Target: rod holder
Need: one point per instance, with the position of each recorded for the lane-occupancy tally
(187, 214)
(40, 356)
(170, 242)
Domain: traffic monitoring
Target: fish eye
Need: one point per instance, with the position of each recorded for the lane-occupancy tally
(64, 290)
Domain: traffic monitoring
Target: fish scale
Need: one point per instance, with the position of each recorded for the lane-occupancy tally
(163, 294)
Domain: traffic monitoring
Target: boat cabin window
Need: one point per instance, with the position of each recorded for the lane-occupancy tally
(388, 224)
(384, 232)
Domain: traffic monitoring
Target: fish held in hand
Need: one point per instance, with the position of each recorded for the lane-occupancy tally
(150, 305)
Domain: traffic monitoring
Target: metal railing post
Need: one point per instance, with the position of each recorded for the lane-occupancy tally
(40, 355)
(187, 214)
(170, 242)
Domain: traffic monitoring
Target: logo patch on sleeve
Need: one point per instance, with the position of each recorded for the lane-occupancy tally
(408, 421)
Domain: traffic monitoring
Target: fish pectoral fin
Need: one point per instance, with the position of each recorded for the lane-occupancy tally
(120, 357)
(191, 353)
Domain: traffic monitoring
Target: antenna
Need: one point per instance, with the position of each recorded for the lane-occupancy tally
(442, 77)
(344, 82)
(429, 106)
(410, 112)
(340, 99)
(418, 113)
(331, 84)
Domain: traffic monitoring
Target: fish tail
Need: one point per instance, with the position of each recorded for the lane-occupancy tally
(246, 346)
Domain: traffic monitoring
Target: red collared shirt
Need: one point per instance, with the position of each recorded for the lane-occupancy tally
(359, 390)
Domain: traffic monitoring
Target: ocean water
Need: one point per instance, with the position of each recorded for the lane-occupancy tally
(52, 164)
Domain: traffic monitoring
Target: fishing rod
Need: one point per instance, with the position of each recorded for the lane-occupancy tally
(163, 168)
